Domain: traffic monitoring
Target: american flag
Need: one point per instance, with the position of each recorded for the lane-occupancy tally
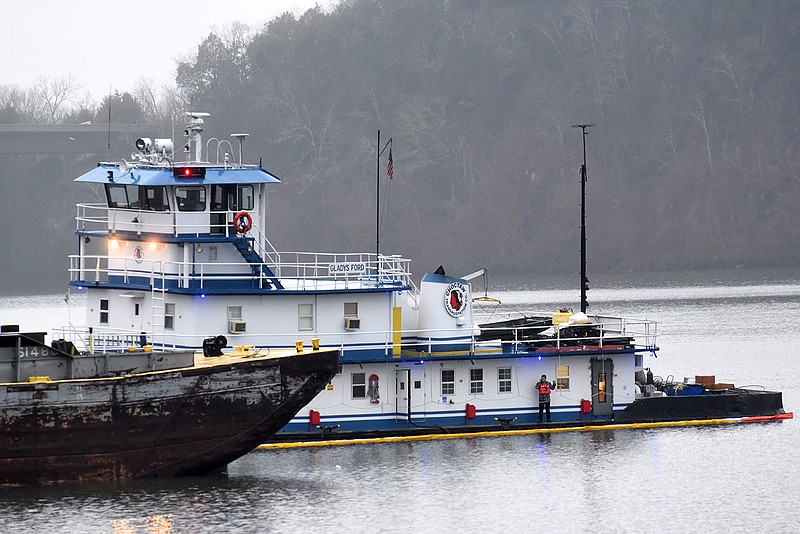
(390, 166)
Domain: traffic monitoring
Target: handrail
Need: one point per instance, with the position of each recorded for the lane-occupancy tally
(301, 275)
(429, 339)
(260, 241)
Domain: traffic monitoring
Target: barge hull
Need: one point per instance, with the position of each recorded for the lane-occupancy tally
(182, 422)
(732, 403)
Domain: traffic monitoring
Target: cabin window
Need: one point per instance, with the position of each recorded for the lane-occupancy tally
(504, 380)
(103, 311)
(638, 360)
(191, 198)
(234, 313)
(305, 316)
(156, 198)
(351, 309)
(359, 382)
(117, 196)
(562, 376)
(212, 253)
(448, 382)
(476, 381)
(134, 198)
(601, 387)
(169, 316)
(245, 197)
(232, 197)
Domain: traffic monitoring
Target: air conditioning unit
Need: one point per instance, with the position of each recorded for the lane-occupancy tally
(352, 323)
(237, 327)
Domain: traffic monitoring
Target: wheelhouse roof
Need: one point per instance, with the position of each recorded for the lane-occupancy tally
(160, 176)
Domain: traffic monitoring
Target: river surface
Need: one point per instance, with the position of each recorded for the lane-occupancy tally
(742, 327)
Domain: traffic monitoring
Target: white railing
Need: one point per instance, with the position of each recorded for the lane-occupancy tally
(312, 271)
(635, 333)
(96, 217)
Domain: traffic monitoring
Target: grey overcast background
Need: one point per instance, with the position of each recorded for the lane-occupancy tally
(693, 164)
(110, 44)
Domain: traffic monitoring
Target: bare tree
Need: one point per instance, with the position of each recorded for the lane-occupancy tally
(57, 95)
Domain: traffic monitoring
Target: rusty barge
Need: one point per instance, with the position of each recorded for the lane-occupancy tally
(67, 416)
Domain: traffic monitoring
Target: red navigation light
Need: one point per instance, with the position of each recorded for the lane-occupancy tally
(189, 172)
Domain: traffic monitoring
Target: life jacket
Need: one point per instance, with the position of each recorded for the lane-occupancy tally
(544, 388)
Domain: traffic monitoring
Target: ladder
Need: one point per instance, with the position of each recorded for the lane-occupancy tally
(158, 292)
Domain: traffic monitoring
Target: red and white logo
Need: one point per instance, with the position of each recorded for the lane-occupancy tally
(455, 299)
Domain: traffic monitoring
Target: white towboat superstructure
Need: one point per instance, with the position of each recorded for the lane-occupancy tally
(178, 257)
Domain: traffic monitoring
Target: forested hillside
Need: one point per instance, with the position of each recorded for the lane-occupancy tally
(692, 164)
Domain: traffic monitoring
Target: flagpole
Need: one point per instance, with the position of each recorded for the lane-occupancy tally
(378, 192)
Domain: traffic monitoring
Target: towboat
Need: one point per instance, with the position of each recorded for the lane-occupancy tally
(177, 254)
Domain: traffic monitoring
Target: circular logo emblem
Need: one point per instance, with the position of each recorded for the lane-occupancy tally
(455, 299)
(138, 253)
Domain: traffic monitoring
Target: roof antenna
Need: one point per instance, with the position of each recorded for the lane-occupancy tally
(241, 137)
(109, 124)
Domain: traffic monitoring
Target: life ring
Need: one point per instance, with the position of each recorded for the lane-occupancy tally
(242, 222)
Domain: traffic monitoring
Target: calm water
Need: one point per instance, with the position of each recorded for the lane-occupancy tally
(742, 327)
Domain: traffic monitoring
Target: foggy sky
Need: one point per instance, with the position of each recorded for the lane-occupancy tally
(110, 45)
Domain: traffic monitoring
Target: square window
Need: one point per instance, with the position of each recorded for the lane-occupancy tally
(169, 316)
(359, 382)
(351, 309)
(504, 380)
(191, 198)
(448, 382)
(305, 317)
(562, 376)
(476, 381)
(235, 313)
(103, 311)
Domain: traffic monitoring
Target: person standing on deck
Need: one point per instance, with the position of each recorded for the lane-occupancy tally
(544, 388)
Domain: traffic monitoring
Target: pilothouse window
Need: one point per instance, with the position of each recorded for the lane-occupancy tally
(150, 198)
(191, 198)
(156, 198)
(245, 194)
(134, 199)
(117, 196)
(232, 197)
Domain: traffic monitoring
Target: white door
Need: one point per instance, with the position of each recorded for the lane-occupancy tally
(403, 391)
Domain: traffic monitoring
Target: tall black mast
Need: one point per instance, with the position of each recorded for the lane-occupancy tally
(584, 279)
(378, 203)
